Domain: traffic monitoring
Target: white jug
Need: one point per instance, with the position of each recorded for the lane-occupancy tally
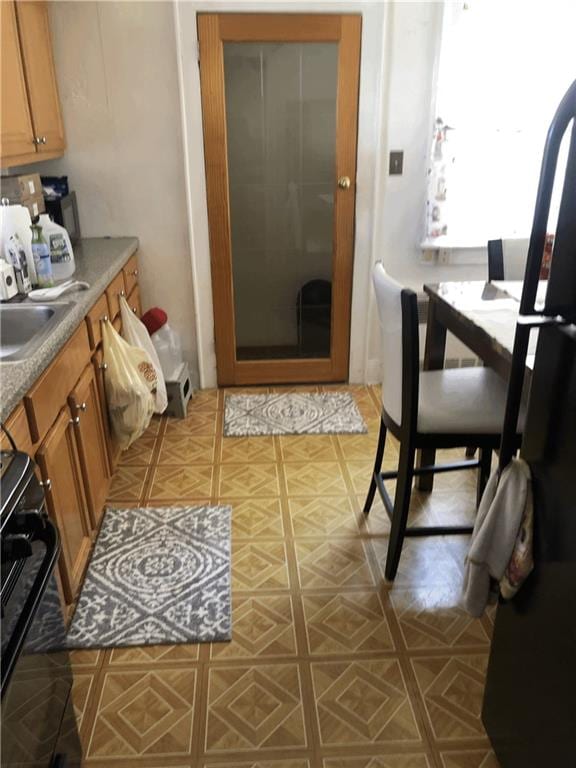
(61, 253)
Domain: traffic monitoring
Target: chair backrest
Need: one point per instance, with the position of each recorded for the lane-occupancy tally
(507, 259)
(398, 315)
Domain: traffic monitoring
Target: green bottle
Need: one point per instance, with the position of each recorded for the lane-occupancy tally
(41, 254)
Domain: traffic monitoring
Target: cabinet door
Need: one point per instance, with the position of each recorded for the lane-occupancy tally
(87, 415)
(134, 302)
(130, 271)
(58, 460)
(17, 132)
(111, 443)
(36, 43)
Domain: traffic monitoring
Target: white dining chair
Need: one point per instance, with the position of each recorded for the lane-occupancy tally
(507, 259)
(449, 408)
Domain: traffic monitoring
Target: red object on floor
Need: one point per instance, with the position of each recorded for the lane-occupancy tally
(154, 319)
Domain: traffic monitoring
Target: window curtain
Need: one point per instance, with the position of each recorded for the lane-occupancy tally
(503, 68)
(441, 164)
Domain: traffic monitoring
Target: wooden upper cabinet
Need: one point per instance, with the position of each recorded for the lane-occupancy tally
(17, 135)
(31, 121)
(36, 44)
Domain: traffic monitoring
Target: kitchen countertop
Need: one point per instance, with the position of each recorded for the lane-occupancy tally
(98, 261)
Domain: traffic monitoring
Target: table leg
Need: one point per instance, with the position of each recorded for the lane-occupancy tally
(434, 351)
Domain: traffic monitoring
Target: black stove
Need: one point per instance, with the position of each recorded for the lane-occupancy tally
(38, 724)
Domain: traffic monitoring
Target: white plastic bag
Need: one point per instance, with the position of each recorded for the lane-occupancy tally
(136, 334)
(169, 350)
(129, 380)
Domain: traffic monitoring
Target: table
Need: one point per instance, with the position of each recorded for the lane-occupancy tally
(483, 316)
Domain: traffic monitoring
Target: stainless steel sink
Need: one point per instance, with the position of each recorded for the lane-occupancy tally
(23, 327)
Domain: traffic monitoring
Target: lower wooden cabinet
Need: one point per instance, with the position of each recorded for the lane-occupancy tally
(86, 413)
(135, 303)
(59, 464)
(64, 421)
(111, 442)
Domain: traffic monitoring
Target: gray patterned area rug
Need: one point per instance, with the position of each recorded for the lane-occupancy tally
(328, 413)
(156, 576)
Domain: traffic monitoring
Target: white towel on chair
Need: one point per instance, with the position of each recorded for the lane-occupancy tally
(498, 521)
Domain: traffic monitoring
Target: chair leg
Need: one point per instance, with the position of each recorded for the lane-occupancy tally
(483, 473)
(401, 508)
(377, 467)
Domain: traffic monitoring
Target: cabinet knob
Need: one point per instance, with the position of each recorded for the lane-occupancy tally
(134, 310)
(81, 407)
(75, 421)
(134, 273)
(103, 366)
(122, 293)
(47, 485)
(43, 139)
(344, 182)
(104, 319)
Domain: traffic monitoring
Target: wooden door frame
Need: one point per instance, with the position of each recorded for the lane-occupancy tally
(213, 31)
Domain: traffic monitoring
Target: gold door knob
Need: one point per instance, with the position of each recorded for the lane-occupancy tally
(344, 182)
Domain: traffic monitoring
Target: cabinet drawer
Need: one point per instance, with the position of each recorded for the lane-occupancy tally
(134, 302)
(130, 271)
(17, 424)
(46, 397)
(93, 320)
(113, 293)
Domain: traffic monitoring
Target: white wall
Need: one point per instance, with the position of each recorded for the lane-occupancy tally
(118, 78)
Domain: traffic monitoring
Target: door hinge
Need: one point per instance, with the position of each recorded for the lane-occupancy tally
(198, 51)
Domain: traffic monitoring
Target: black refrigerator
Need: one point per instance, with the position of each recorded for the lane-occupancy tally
(530, 696)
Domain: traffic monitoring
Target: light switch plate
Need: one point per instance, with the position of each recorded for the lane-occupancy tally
(396, 163)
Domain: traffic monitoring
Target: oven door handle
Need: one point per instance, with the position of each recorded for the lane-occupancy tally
(49, 535)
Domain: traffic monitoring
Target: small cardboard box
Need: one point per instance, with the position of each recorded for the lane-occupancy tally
(35, 205)
(19, 189)
(30, 185)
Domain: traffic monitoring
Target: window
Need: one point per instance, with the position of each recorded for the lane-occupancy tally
(503, 69)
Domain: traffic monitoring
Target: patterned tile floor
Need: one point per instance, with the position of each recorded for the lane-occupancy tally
(329, 666)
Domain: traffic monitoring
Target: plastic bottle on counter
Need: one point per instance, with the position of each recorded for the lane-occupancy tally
(15, 219)
(61, 253)
(41, 253)
(15, 255)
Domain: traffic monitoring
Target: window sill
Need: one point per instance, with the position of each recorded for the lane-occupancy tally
(446, 250)
(451, 244)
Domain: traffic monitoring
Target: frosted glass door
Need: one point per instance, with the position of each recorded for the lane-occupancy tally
(279, 112)
(280, 103)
